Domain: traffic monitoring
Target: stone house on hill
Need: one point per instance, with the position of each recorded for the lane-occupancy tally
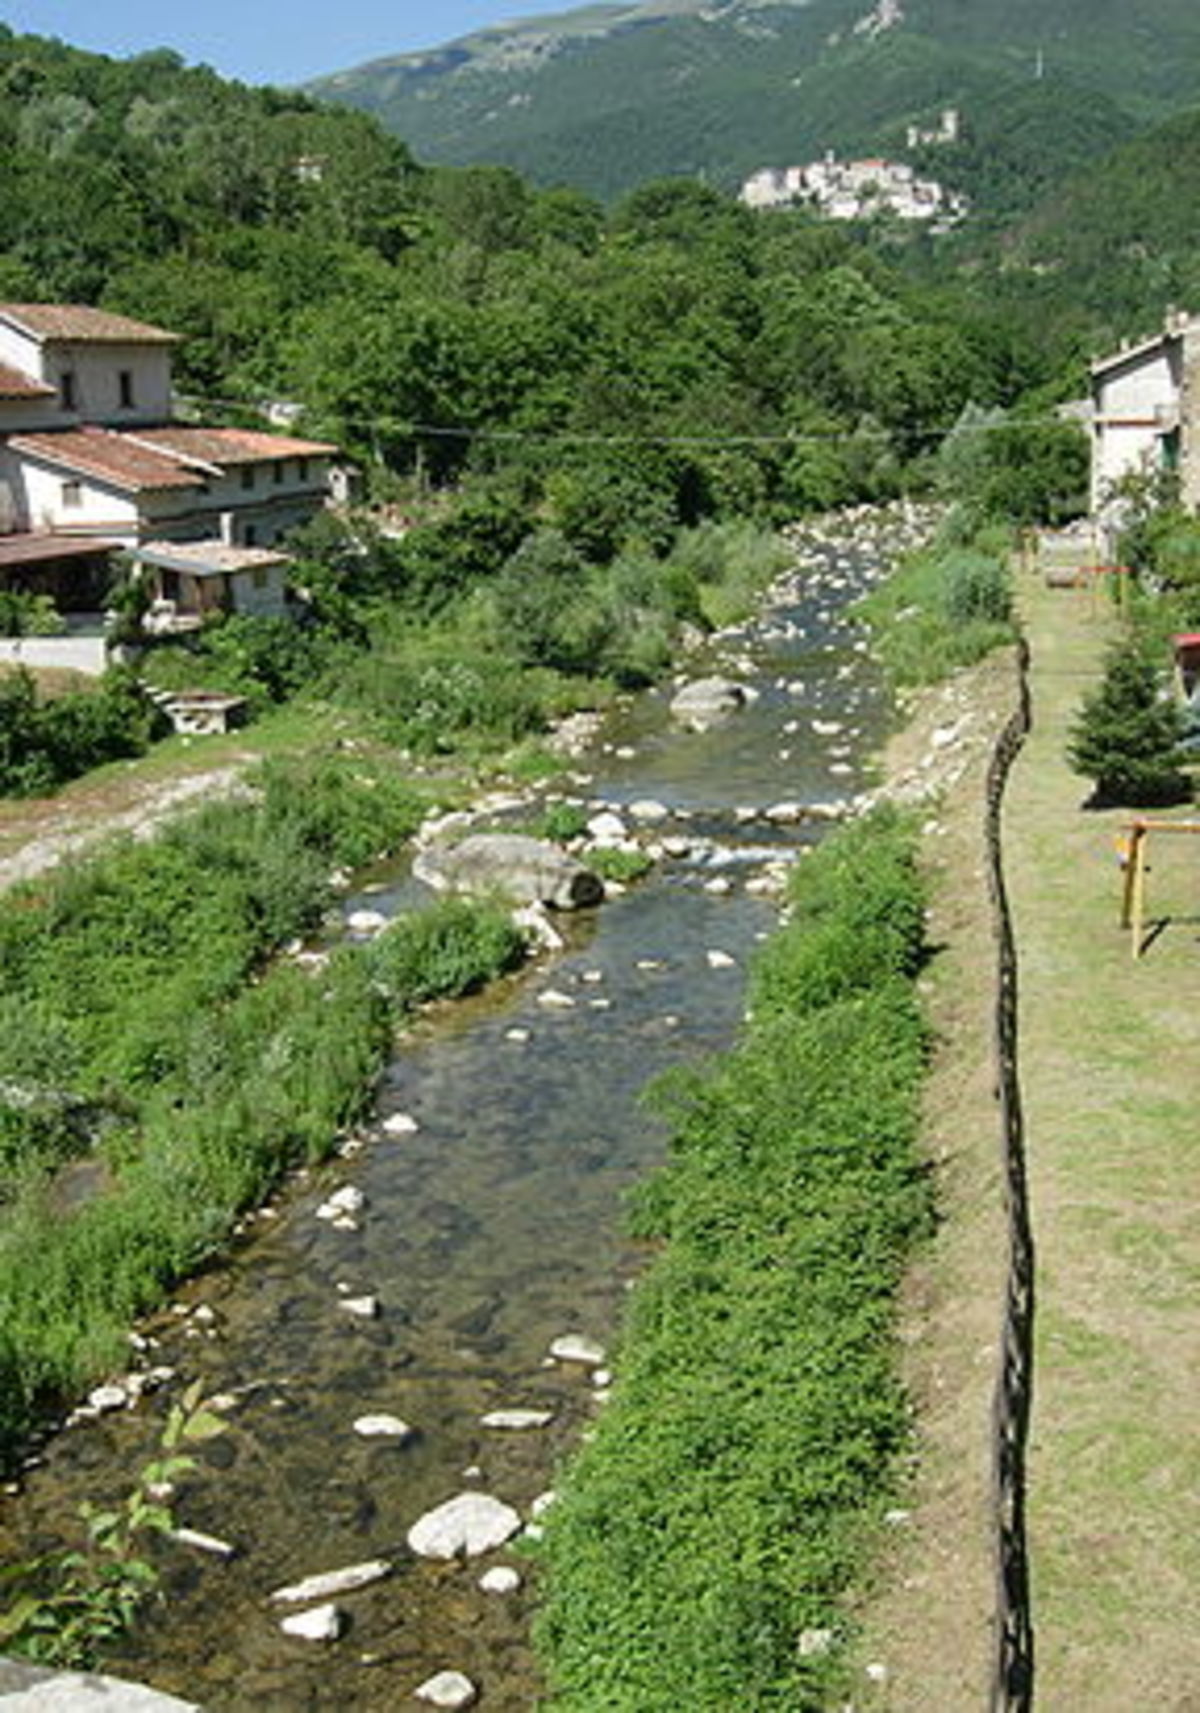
(91, 461)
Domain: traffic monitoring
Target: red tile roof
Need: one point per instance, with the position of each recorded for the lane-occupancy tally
(51, 321)
(118, 459)
(224, 446)
(16, 384)
(34, 549)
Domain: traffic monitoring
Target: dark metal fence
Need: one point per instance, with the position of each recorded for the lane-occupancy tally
(1011, 1686)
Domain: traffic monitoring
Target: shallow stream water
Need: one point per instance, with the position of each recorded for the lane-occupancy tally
(487, 1232)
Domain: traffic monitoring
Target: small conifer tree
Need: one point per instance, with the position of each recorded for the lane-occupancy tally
(1126, 737)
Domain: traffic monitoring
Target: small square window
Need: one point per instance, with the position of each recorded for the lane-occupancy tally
(66, 389)
(260, 576)
(249, 535)
(247, 475)
(280, 469)
(125, 382)
(72, 495)
(302, 469)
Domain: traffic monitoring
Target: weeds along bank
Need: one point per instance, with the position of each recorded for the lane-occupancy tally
(704, 1540)
(146, 1034)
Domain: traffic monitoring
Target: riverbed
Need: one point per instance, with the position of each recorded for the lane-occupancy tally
(491, 1222)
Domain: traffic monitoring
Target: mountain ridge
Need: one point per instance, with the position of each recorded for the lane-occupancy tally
(604, 97)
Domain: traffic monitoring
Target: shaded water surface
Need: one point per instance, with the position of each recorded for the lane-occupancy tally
(488, 1232)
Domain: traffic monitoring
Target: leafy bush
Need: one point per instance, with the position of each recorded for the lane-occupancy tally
(725, 1502)
(977, 586)
(448, 950)
(22, 614)
(1126, 735)
(619, 865)
(561, 822)
(45, 743)
(945, 607)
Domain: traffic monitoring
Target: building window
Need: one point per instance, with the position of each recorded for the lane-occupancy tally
(250, 535)
(247, 475)
(72, 496)
(125, 383)
(280, 469)
(66, 389)
(302, 469)
(260, 576)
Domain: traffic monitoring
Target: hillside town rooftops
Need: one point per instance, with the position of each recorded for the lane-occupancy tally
(16, 384)
(122, 460)
(48, 322)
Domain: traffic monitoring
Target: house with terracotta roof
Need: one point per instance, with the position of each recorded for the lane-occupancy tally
(91, 461)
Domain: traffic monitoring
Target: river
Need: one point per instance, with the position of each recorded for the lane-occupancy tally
(488, 1231)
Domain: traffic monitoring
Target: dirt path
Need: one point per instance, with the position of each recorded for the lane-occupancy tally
(51, 830)
(927, 1625)
(1112, 1086)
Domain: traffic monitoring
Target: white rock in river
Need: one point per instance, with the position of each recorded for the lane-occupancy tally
(517, 1421)
(469, 1524)
(348, 1200)
(383, 1427)
(607, 828)
(330, 1582)
(648, 810)
(574, 1347)
(553, 999)
(366, 1308)
(203, 1543)
(784, 813)
(720, 961)
(447, 1689)
(501, 1579)
(366, 921)
(106, 1398)
(399, 1124)
(322, 1624)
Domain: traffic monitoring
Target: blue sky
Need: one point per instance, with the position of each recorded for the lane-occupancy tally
(266, 41)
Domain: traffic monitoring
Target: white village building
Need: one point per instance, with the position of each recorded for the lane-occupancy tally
(856, 190)
(1146, 412)
(91, 461)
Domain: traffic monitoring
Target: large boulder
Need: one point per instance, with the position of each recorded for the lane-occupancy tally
(705, 701)
(531, 871)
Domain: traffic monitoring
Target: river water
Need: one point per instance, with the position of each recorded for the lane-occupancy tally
(487, 1232)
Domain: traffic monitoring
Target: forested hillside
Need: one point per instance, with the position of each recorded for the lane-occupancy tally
(603, 97)
(301, 252)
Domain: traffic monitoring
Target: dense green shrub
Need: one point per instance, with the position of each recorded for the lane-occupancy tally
(727, 1498)
(1126, 735)
(945, 607)
(22, 614)
(44, 743)
(446, 951)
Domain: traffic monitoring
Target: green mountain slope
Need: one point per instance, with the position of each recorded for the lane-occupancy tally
(608, 96)
(1121, 241)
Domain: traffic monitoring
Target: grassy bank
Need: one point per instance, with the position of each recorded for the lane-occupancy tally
(729, 1496)
(945, 607)
(145, 1029)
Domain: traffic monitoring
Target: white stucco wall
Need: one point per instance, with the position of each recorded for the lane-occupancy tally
(20, 351)
(100, 511)
(97, 370)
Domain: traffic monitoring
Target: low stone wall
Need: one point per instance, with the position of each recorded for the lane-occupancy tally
(68, 653)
